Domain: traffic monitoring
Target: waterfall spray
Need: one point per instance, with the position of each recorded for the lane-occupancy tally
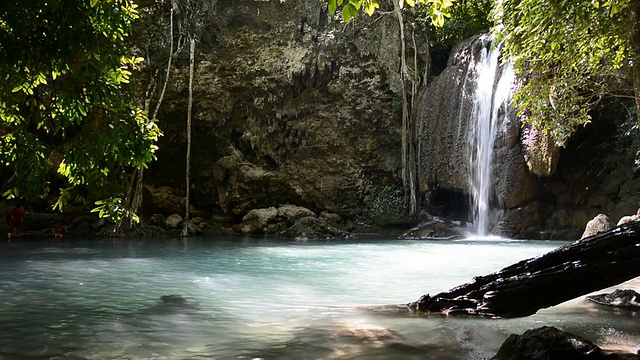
(492, 94)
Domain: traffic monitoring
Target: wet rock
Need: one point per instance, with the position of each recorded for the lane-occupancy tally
(547, 343)
(550, 343)
(309, 228)
(173, 299)
(445, 112)
(619, 298)
(171, 304)
(435, 229)
(599, 224)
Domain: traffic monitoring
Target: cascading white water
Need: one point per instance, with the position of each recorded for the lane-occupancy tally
(493, 89)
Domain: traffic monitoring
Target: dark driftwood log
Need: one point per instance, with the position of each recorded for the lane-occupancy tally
(563, 274)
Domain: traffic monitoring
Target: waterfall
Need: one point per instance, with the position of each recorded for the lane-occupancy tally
(492, 94)
(468, 138)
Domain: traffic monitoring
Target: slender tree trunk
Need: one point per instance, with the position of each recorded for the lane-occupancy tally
(192, 46)
(635, 49)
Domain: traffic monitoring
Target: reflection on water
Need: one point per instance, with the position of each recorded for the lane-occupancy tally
(261, 299)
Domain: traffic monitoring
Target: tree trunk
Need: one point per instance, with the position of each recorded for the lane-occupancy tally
(192, 47)
(563, 274)
(634, 12)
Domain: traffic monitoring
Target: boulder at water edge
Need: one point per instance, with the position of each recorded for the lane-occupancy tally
(434, 230)
(549, 343)
(599, 224)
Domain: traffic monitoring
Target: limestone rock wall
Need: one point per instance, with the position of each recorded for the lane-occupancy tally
(290, 107)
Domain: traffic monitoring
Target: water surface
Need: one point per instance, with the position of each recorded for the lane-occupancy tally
(255, 298)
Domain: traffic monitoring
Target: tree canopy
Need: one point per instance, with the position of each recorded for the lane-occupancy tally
(568, 54)
(66, 102)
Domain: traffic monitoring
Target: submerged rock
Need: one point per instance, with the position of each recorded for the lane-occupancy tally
(619, 298)
(173, 299)
(171, 304)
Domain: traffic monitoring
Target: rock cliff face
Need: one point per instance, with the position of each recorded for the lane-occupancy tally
(446, 119)
(537, 190)
(290, 107)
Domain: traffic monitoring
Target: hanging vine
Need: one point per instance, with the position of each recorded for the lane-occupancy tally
(410, 80)
(437, 11)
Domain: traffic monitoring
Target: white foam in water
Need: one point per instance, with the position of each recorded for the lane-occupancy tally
(489, 238)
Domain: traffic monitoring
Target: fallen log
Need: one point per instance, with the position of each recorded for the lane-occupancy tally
(587, 265)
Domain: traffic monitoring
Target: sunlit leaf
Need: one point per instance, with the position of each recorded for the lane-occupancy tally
(332, 6)
(371, 7)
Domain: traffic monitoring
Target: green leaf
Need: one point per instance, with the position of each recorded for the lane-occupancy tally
(349, 11)
(411, 2)
(94, 3)
(332, 7)
(371, 7)
(346, 14)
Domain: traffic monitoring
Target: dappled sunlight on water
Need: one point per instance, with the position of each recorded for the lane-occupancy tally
(266, 299)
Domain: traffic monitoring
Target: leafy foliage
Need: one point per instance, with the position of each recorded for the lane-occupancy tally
(437, 10)
(468, 18)
(567, 52)
(66, 100)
